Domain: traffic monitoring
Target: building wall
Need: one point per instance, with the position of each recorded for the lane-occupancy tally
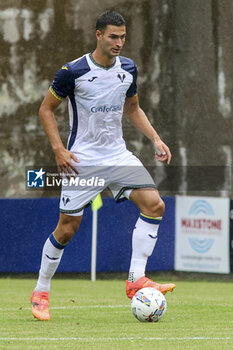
(183, 50)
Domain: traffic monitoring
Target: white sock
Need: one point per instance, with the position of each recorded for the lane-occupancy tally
(51, 257)
(143, 243)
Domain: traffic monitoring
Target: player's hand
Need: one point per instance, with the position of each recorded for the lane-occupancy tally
(64, 162)
(164, 153)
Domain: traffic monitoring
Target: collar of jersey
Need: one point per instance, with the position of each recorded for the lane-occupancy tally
(99, 65)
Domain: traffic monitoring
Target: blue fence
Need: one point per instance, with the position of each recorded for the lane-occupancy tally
(26, 223)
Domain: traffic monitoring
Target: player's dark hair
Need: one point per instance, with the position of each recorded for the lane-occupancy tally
(109, 18)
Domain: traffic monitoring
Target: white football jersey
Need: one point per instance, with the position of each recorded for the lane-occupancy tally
(96, 100)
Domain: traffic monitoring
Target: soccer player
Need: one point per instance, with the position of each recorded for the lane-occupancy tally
(101, 87)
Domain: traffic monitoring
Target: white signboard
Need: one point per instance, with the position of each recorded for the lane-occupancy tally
(202, 234)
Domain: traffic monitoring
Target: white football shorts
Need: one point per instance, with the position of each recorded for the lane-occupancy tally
(121, 177)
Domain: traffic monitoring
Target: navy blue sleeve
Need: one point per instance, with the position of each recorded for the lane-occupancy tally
(130, 66)
(133, 87)
(63, 83)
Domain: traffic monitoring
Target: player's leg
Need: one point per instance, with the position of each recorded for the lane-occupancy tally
(144, 239)
(145, 233)
(51, 256)
(54, 247)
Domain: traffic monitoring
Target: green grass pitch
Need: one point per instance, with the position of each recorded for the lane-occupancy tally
(97, 315)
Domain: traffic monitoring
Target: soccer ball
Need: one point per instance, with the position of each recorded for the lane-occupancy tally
(148, 305)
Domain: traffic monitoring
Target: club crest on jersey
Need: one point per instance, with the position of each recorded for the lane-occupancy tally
(65, 200)
(121, 77)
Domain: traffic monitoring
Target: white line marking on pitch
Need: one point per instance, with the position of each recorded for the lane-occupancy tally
(115, 339)
(70, 307)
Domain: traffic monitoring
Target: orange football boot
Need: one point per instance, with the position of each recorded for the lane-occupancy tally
(40, 305)
(143, 282)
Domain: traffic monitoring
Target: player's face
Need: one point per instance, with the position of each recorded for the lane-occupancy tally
(111, 40)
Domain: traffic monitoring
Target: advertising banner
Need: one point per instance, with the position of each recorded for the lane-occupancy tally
(202, 234)
(231, 235)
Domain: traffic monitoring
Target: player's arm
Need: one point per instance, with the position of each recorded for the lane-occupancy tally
(137, 117)
(62, 155)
